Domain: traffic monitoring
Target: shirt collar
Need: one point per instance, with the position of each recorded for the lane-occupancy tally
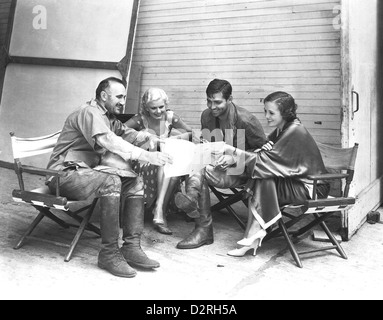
(95, 103)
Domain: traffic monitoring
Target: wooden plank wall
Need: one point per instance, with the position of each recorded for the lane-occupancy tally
(5, 6)
(260, 46)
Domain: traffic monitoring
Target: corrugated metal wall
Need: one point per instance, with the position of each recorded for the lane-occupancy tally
(260, 46)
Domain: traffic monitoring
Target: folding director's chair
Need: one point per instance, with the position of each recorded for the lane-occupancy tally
(41, 198)
(339, 160)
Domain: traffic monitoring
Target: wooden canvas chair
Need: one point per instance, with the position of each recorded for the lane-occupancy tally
(226, 199)
(341, 162)
(41, 198)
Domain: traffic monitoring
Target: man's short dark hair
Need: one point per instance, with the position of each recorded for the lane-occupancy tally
(105, 84)
(217, 86)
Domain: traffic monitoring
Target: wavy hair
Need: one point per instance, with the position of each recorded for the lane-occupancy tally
(153, 94)
(286, 105)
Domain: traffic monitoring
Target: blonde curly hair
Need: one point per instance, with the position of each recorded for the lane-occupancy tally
(153, 94)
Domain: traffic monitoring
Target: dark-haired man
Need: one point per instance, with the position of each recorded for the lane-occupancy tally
(222, 121)
(89, 133)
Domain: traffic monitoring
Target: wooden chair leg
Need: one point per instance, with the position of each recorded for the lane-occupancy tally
(94, 229)
(80, 231)
(29, 230)
(226, 202)
(236, 217)
(317, 221)
(77, 237)
(291, 246)
(51, 216)
(333, 240)
(89, 226)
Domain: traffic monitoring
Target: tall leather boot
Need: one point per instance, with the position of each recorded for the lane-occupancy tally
(110, 257)
(189, 202)
(133, 226)
(203, 232)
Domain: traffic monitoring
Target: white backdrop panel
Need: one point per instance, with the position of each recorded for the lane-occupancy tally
(36, 100)
(92, 30)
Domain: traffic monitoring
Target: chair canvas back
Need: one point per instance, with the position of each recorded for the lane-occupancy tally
(338, 158)
(29, 147)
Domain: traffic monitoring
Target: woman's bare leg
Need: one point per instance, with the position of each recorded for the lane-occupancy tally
(159, 211)
(163, 184)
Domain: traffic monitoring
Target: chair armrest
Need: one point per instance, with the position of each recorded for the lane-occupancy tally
(341, 202)
(40, 171)
(41, 199)
(328, 176)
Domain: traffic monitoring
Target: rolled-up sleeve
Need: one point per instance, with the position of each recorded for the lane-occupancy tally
(117, 145)
(131, 135)
(116, 137)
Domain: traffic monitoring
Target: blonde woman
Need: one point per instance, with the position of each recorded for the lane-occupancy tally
(156, 117)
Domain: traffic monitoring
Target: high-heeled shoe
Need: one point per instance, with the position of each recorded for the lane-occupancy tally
(240, 252)
(249, 241)
(161, 227)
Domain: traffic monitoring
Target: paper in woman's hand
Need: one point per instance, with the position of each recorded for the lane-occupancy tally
(188, 157)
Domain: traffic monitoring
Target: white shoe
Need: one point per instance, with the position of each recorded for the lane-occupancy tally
(249, 241)
(243, 251)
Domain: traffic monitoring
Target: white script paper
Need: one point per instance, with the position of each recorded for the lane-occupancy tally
(188, 157)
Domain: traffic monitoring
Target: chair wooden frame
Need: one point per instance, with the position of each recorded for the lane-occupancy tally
(226, 200)
(41, 199)
(335, 159)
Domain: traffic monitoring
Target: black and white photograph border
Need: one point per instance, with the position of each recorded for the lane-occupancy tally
(326, 53)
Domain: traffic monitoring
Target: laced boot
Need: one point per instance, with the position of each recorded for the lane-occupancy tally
(110, 257)
(203, 232)
(189, 202)
(133, 226)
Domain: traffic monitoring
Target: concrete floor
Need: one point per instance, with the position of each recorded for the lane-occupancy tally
(38, 270)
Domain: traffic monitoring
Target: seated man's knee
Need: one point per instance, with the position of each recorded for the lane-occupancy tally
(223, 180)
(133, 187)
(111, 186)
(214, 177)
